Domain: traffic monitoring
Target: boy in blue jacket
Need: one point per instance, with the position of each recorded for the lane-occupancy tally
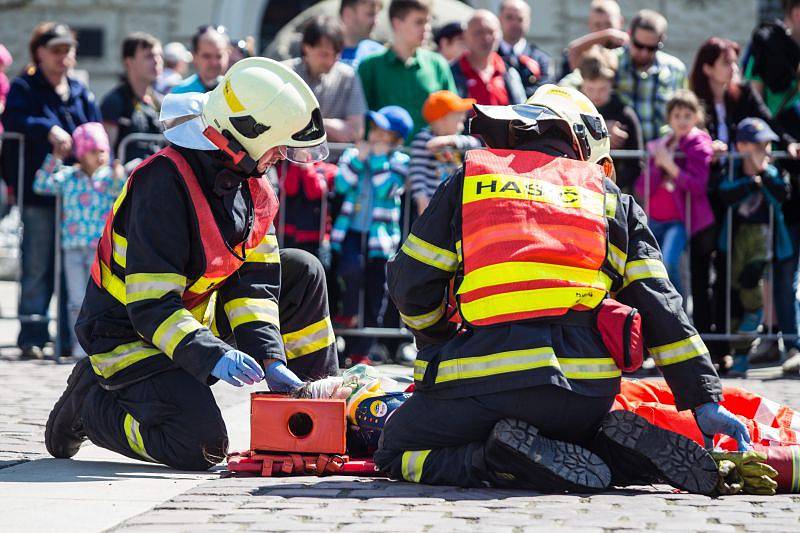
(755, 186)
(367, 231)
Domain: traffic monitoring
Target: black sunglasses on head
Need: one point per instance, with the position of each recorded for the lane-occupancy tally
(651, 49)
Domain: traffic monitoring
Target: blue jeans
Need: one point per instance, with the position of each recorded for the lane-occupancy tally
(77, 268)
(784, 288)
(37, 279)
(671, 237)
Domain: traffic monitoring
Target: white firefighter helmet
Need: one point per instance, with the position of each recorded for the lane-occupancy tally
(565, 107)
(259, 104)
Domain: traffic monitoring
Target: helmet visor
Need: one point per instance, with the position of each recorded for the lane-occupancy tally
(305, 154)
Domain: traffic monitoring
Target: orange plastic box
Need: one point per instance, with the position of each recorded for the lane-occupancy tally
(282, 424)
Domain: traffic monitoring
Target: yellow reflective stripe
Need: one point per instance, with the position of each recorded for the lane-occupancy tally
(231, 99)
(112, 284)
(795, 469)
(589, 367)
(494, 186)
(611, 205)
(459, 252)
(174, 329)
(496, 363)
(412, 464)
(245, 310)
(119, 248)
(513, 272)
(644, 269)
(423, 321)
(204, 284)
(427, 253)
(134, 436)
(617, 258)
(152, 286)
(109, 363)
(677, 352)
(308, 340)
(531, 300)
(420, 367)
(119, 200)
(266, 251)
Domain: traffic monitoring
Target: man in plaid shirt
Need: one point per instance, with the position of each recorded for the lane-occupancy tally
(647, 77)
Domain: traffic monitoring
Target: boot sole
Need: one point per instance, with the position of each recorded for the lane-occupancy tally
(682, 462)
(72, 381)
(553, 464)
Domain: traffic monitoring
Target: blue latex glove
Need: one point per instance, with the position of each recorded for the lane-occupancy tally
(238, 368)
(280, 379)
(712, 418)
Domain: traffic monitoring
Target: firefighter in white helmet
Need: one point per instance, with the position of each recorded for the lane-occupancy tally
(530, 283)
(189, 286)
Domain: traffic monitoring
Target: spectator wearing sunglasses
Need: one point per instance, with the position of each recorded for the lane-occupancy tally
(647, 77)
(210, 56)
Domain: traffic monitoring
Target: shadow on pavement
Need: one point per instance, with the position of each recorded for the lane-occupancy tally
(371, 489)
(72, 471)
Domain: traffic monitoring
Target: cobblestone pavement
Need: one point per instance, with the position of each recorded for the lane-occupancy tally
(361, 504)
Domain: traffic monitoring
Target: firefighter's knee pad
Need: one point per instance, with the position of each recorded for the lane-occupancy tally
(751, 274)
(297, 264)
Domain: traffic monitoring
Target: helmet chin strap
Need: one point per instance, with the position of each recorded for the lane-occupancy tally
(225, 142)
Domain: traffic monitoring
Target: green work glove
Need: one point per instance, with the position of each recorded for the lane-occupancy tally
(757, 476)
(730, 481)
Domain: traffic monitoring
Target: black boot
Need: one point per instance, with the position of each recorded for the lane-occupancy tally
(639, 452)
(518, 456)
(64, 433)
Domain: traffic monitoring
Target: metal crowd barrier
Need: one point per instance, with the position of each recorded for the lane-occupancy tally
(19, 138)
(408, 204)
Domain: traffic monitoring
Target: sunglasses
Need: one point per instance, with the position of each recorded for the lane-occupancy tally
(651, 49)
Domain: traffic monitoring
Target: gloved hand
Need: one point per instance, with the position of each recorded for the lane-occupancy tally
(237, 368)
(730, 481)
(712, 418)
(332, 387)
(746, 470)
(280, 379)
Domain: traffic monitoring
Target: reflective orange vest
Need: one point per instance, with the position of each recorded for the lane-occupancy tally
(220, 263)
(534, 237)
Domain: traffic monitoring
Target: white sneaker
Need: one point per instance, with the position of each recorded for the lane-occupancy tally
(792, 363)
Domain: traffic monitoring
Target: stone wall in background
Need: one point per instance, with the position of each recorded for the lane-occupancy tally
(554, 23)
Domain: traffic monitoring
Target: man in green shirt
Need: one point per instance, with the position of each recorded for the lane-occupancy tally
(405, 74)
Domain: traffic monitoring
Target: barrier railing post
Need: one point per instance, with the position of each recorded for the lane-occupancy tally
(58, 346)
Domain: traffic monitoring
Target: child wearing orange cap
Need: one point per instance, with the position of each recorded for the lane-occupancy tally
(438, 149)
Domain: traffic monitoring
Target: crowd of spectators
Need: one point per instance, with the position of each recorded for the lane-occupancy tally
(697, 151)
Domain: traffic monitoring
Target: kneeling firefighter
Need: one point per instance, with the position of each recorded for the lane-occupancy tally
(544, 256)
(189, 286)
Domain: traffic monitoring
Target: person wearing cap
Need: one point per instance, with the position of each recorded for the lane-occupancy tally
(176, 65)
(132, 106)
(481, 73)
(449, 41)
(87, 190)
(755, 188)
(529, 283)
(44, 104)
(438, 149)
(188, 285)
(211, 58)
(367, 231)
